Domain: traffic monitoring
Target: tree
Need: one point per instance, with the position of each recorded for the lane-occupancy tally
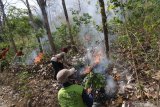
(5, 25)
(1, 22)
(139, 31)
(3, 12)
(79, 4)
(42, 5)
(104, 22)
(67, 20)
(33, 24)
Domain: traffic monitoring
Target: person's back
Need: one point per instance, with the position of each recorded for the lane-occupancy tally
(57, 64)
(71, 96)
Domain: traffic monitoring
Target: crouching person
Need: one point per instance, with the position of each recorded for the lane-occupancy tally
(71, 94)
(57, 63)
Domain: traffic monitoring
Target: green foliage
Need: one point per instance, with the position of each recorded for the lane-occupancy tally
(19, 28)
(38, 22)
(94, 80)
(99, 28)
(122, 41)
(17, 23)
(40, 32)
(3, 44)
(61, 36)
(16, 12)
(116, 3)
(22, 85)
(139, 29)
(23, 76)
(79, 19)
(3, 63)
(23, 79)
(22, 27)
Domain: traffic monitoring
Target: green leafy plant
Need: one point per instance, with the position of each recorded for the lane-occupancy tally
(94, 80)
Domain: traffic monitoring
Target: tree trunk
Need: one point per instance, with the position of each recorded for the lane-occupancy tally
(68, 23)
(0, 21)
(39, 44)
(5, 22)
(33, 25)
(42, 4)
(0, 26)
(3, 13)
(79, 4)
(104, 22)
(50, 38)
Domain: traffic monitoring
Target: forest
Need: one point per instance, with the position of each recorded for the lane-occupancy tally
(111, 47)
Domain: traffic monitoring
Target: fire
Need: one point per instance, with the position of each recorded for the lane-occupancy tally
(87, 69)
(97, 57)
(38, 58)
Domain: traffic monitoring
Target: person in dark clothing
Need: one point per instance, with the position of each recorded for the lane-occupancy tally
(71, 94)
(57, 63)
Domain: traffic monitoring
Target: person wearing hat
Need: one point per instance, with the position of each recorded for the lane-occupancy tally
(57, 63)
(71, 94)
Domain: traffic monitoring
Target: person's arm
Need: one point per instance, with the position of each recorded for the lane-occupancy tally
(86, 71)
(87, 99)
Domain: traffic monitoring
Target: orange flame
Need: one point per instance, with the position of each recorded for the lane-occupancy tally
(87, 70)
(38, 58)
(97, 57)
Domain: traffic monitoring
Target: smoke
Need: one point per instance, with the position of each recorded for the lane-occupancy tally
(30, 58)
(111, 86)
(102, 67)
(93, 41)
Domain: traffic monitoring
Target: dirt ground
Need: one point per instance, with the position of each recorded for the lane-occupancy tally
(33, 86)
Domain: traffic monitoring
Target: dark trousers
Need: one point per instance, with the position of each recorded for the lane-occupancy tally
(57, 66)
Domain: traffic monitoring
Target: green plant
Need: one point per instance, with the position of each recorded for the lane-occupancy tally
(94, 80)
(22, 83)
(80, 19)
(61, 35)
(138, 34)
